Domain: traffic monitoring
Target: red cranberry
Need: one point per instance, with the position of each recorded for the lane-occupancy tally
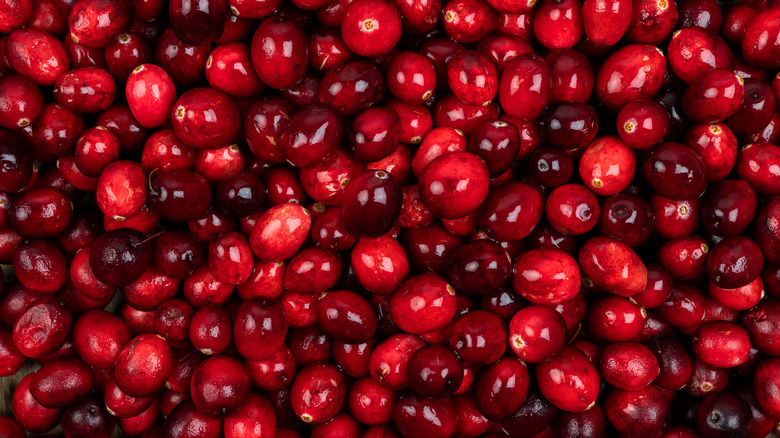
(371, 27)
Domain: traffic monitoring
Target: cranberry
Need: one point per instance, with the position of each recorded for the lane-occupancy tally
(633, 72)
(371, 27)
(636, 412)
(468, 21)
(675, 171)
(734, 262)
(518, 93)
(558, 24)
(416, 416)
(569, 381)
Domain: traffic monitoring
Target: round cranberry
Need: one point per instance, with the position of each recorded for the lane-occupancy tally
(759, 46)
(721, 344)
(558, 24)
(280, 231)
(388, 362)
(501, 388)
(572, 209)
(318, 392)
(121, 189)
(497, 143)
(411, 77)
(638, 412)
(757, 109)
(479, 267)
(675, 171)
(479, 337)
(416, 416)
(614, 319)
(119, 257)
(259, 329)
(734, 262)
(371, 204)
(632, 72)
(346, 316)
(627, 218)
(525, 87)
(613, 265)
(460, 176)
(628, 365)
(714, 96)
(423, 304)
(468, 21)
(473, 78)
(94, 23)
(371, 403)
(199, 22)
(220, 385)
(180, 195)
(41, 212)
(537, 333)
(36, 55)
(151, 94)
(546, 276)
(569, 381)
(371, 27)
(313, 133)
(434, 371)
(352, 86)
(205, 118)
(375, 133)
(757, 164)
(41, 329)
(21, 101)
(761, 324)
(569, 125)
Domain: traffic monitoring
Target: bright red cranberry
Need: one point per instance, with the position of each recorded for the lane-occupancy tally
(36, 55)
(636, 412)
(757, 109)
(569, 381)
(411, 77)
(460, 175)
(511, 211)
(756, 164)
(21, 100)
(473, 78)
(642, 123)
(501, 388)
(759, 46)
(613, 265)
(479, 337)
(518, 93)
(318, 392)
(537, 333)
(417, 417)
(434, 371)
(734, 262)
(606, 21)
(423, 304)
(572, 209)
(352, 86)
(94, 23)
(558, 24)
(546, 276)
(614, 319)
(151, 93)
(633, 72)
(371, 27)
(675, 171)
(205, 118)
(628, 365)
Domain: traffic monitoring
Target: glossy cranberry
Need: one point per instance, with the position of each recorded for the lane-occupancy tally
(93, 23)
(55, 133)
(96, 148)
(185, 417)
(88, 417)
(178, 254)
(371, 27)
(151, 94)
(558, 24)
(205, 118)
(473, 78)
(434, 371)
(572, 209)
(318, 393)
(537, 333)
(734, 262)
(21, 101)
(183, 62)
(411, 77)
(36, 55)
(694, 51)
(479, 267)
(200, 22)
(416, 416)
(552, 166)
(646, 411)
(125, 53)
(479, 337)
(423, 303)
(16, 167)
(180, 195)
(756, 110)
(569, 381)
(606, 21)
(761, 325)
(518, 94)
(283, 185)
(628, 366)
(120, 257)
(371, 204)
(642, 123)
(614, 319)
(633, 72)
(546, 276)
(501, 388)
(468, 21)
(755, 164)
(729, 207)
(627, 218)
(759, 46)
(352, 86)
(675, 171)
(41, 212)
(119, 119)
(714, 96)
(313, 133)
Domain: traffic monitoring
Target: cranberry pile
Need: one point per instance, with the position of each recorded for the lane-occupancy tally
(390, 218)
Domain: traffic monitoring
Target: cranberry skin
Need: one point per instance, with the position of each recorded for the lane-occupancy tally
(741, 298)
(473, 78)
(721, 344)
(734, 262)
(766, 387)
(254, 418)
(633, 72)
(675, 171)
(277, 66)
(198, 23)
(205, 118)
(569, 125)
(518, 93)
(29, 414)
(16, 167)
(572, 209)
(683, 308)
(94, 23)
(411, 77)
(761, 324)
(346, 316)
(694, 51)
(55, 133)
(184, 419)
(318, 392)
(571, 74)
(13, 360)
(537, 333)
(274, 373)
(61, 383)
(717, 147)
(380, 264)
(756, 165)
(180, 195)
(371, 403)
(388, 362)
(96, 148)
(41, 329)
(151, 93)
(728, 208)
(119, 120)
(757, 109)
(354, 358)
(220, 385)
(501, 388)
(259, 328)
(183, 62)
(375, 133)
(613, 265)
(460, 175)
(36, 55)
(479, 337)
(435, 371)
(714, 96)
(280, 232)
(627, 218)
(178, 254)
(14, 14)
(451, 112)
(371, 204)
(642, 123)
(606, 21)
(511, 211)
(468, 21)
(119, 257)
(569, 381)
(479, 267)
(264, 123)
(614, 319)
(759, 46)
(40, 266)
(40, 213)
(352, 86)
(628, 365)
(645, 412)
(311, 135)
(327, 49)
(416, 416)
(143, 365)
(85, 90)
(546, 276)
(99, 336)
(558, 24)
(423, 304)
(371, 27)
(20, 100)
(551, 166)
(501, 48)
